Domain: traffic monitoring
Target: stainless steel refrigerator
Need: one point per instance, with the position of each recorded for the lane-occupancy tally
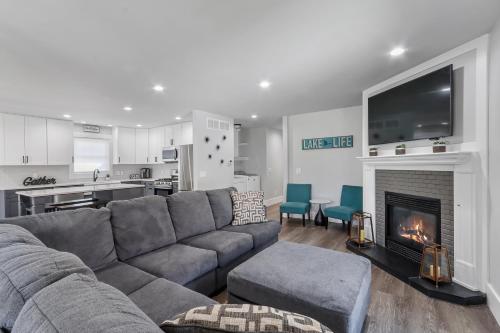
(185, 167)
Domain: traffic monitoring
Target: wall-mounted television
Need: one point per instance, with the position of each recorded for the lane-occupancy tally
(418, 109)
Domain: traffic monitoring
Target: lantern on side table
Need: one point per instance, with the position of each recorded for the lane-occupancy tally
(435, 264)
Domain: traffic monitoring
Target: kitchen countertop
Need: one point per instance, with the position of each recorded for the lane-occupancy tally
(70, 183)
(77, 189)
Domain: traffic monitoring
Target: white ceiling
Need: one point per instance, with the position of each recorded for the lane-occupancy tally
(89, 58)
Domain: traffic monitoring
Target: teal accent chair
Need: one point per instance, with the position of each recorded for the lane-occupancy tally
(351, 201)
(297, 201)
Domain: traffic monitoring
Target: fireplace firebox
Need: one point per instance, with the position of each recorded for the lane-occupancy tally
(412, 222)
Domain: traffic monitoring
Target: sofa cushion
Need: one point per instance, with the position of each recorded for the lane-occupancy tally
(140, 225)
(294, 207)
(222, 206)
(191, 213)
(78, 303)
(262, 233)
(27, 269)
(85, 232)
(13, 234)
(124, 277)
(178, 263)
(248, 207)
(228, 245)
(241, 318)
(339, 212)
(162, 299)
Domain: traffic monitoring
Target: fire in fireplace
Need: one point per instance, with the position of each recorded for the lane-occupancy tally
(411, 223)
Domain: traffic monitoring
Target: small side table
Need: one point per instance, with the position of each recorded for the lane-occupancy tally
(320, 219)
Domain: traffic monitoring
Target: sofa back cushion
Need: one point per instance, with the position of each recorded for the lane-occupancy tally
(191, 213)
(141, 225)
(222, 206)
(78, 303)
(25, 270)
(85, 232)
(13, 234)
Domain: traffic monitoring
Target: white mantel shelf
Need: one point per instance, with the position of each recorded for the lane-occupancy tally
(448, 158)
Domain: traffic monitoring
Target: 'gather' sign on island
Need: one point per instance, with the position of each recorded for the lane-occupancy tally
(328, 142)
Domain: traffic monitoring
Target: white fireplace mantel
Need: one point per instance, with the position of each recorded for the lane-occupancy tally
(467, 199)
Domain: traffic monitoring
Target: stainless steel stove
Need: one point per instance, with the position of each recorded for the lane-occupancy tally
(163, 187)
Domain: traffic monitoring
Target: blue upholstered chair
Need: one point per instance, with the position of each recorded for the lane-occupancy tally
(351, 201)
(297, 201)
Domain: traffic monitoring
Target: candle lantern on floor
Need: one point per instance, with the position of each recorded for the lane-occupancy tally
(435, 264)
(357, 233)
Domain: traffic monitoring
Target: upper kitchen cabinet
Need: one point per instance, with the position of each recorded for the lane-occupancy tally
(25, 140)
(124, 145)
(169, 136)
(182, 134)
(177, 134)
(59, 142)
(141, 146)
(156, 144)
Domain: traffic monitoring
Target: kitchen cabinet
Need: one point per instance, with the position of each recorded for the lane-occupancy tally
(177, 134)
(156, 144)
(124, 145)
(25, 140)
(141, 146)
(169, 136)
(182, 134)
(59, 142)
(245, 183)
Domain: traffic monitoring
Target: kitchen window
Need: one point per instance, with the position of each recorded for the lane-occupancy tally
(90, 154)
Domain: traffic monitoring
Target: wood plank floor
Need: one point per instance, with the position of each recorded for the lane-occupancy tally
(395, 306)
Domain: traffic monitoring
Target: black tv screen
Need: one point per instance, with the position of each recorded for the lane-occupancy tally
(419, 109)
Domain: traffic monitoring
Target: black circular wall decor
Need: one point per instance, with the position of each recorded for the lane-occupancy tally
(222, 161)
(224, 137)
(209, 156)
(217, 147)
(207, 139)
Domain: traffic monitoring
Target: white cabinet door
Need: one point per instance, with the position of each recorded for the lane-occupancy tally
(35, 140)
(124, 145)
(156, 138)
(59, 142)
(253, 183)
(13, 139)
(187, 133)
(141, 146)
(169, 136)
(2, 141)
(177, 134)
(240, 185)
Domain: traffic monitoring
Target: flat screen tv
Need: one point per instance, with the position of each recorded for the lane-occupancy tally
(419, 109)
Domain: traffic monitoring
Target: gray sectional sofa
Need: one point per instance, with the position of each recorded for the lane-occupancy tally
(165, 255)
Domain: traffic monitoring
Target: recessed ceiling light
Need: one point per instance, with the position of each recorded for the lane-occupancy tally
(444, 123)
(127, 108)
(83, 122)
(138, 125)
(109, 125)
(178, 118)
(254, 116)
(419, 125)
(397, 51)
(67, 116)
(264, 84)
(158, 88)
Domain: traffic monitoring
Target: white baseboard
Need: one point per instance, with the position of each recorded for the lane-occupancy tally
(273, 201)
(493, 301)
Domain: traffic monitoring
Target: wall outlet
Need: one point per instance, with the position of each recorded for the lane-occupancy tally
(298, 171)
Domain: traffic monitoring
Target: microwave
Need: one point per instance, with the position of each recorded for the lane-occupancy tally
(170, 154)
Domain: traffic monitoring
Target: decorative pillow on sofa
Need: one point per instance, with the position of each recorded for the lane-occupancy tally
(241, 318)
(248, 207)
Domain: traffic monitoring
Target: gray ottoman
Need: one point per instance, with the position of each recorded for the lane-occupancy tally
(329, 286)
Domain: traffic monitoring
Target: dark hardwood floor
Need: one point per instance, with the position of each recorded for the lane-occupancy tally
(395, 306)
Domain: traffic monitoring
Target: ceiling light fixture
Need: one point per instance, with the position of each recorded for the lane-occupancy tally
(397, 51)
(139, 125)
(109, 125)
(254, 116)
(178, 118)
(444, 123)
(67, 116)
(264, 84)
(158, 88)
(83, 122)
(127, 108)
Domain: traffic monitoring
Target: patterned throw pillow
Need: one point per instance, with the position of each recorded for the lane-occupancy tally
(248, 207)
(241, 318)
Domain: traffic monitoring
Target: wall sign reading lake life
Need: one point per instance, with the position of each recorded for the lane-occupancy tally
(328, 142)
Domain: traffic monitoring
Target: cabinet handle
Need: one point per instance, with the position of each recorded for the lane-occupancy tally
(156, 159)
(27, 159)
(23, 159)
(147, 159)
(119, 159)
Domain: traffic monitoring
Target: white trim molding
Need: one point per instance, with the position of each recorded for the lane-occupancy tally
(493, 301)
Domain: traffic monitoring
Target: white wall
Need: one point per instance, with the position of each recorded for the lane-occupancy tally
(210, 173)
(494, 167)
(265, 159)
(326, 169)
